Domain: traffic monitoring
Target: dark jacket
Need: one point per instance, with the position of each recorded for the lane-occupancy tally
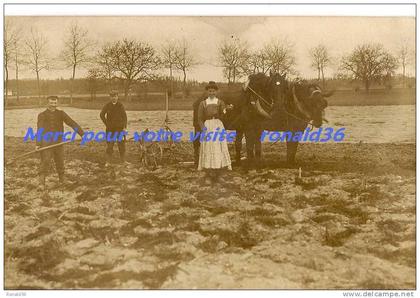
(114, 116)
(195, 112)
(53, 121)
(212, 111)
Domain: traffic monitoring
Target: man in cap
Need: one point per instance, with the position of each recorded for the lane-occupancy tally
(51, 120)
(197, 129)
(114, 117)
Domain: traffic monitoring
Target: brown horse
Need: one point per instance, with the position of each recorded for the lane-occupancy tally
(274, 104)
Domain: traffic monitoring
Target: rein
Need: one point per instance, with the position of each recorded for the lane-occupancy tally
(262, 98)
(285, 109)
(299, 118)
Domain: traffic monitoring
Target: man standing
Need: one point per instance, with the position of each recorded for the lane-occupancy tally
(197, 129)
(114, 117)
(51, 120)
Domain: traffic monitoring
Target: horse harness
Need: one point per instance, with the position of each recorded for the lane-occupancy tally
(285, 107)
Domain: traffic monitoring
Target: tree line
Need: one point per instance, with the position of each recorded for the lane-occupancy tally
(128, 61)
(367, 63)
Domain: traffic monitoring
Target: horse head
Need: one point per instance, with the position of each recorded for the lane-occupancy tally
(277, 87)
(264, 92)
(310, 101)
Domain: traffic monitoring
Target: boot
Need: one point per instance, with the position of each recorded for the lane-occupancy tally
(108, 160)
(217, 176)
(208, 178)
(214, 175)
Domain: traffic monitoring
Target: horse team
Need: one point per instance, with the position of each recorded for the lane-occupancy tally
(272, 103)
(269, 103)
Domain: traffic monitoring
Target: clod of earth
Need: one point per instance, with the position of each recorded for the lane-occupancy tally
(347, 223)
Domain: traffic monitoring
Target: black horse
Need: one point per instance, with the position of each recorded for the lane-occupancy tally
(274, 104)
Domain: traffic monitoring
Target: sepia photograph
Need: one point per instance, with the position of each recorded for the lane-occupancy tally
(210, 152)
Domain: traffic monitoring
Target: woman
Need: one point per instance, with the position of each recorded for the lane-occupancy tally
(214, 155)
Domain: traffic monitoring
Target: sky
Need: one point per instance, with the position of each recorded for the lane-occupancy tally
(339, 34)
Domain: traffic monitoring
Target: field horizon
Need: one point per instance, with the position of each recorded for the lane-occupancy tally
(156, 100)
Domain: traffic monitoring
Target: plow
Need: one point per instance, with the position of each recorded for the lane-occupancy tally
(152, 154)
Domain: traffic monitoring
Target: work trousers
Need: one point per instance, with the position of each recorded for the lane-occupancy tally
(57, 154)
(196, 144)
(110, 145)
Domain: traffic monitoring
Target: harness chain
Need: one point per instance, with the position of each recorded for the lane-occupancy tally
(262, 98)
(285, 109)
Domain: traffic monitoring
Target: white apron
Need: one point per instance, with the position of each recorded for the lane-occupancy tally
(214, 154)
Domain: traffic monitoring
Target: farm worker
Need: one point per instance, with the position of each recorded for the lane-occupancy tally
(51, 121)
(114, 117)
(214, 155)
(197, 129)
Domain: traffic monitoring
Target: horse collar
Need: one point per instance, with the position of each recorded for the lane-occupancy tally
(270, 104)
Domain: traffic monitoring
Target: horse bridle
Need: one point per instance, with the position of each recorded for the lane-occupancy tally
(262, 98)
(285, 108)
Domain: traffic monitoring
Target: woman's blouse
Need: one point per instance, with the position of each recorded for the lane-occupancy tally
(211, 108)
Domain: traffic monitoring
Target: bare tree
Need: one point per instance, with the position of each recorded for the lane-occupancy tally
(105, 60)
(404, 56)
(390, 64)
(320, 60)
(129, 61)
(76, 51)
(253, 64)
(184, 61)
(37, 58)
(257, 62)
(93, 76)
(18, 60)
(234, 55)
(369, 63)
(169, 60)
(279, 56)
(10, 36)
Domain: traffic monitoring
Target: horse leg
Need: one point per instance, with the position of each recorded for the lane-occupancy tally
(291, 152)
(238, 145)
(250, 142)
